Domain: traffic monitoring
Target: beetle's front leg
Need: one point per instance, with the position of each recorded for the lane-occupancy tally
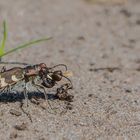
(26, 94)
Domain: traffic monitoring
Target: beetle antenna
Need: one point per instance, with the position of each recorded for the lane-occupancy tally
(68, 80)
(15, 63)
(59, 65)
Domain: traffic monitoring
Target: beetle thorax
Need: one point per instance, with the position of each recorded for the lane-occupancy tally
(34, 70)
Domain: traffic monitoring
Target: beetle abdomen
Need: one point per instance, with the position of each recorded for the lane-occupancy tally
(11, 76)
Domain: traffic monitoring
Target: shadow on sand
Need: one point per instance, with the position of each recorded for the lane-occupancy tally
(19, 96)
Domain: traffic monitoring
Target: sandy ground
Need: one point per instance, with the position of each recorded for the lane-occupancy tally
(100, 43)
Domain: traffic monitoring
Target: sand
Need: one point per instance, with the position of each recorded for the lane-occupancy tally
(100, 44)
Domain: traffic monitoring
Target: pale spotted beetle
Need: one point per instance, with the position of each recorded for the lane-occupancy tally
(48, 76)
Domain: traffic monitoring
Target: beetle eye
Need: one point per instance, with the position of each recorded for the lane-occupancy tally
(56, 77)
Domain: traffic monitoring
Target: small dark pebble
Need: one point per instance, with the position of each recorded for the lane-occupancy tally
(128, 90)
(138, 22)
(15, 112)
(91, 69)
(90, 95)
(98, 24)
(109, 96)
(132, 40)
(92, 64)
(136, 102)
(61, 51)
(112, 80)
(41, 138)
(21, 127)
(47, 56)
(126, 13)
(138, 69)
(80, 38)
(137, 60)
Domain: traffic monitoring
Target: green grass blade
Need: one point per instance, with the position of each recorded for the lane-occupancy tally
(26, 45)
(2, 47)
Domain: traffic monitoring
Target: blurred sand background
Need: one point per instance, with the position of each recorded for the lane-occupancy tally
(99, 40)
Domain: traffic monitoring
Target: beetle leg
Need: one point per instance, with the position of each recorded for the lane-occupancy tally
(28, 114)
(3, 90)
(45, 94)
(26, 95)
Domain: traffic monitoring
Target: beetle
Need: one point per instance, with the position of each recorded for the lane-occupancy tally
(48, 77)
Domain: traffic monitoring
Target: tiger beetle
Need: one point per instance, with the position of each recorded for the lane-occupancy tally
(48, 76)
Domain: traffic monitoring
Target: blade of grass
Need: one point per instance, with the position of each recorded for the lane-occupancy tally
(26, 45)
(4, 39)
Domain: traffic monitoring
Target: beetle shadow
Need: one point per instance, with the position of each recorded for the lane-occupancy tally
(18, 97)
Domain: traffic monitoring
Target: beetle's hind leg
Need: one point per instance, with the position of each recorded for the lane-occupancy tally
(25, 92)
(26, 95)
(27, 113)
